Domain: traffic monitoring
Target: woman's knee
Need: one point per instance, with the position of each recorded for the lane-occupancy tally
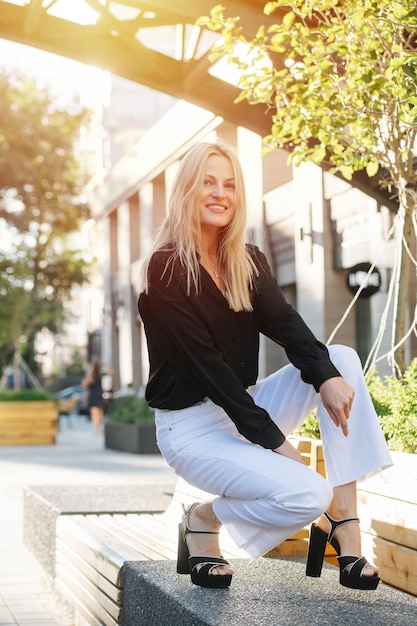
(323, 495)
(310, 500)
(344, 356)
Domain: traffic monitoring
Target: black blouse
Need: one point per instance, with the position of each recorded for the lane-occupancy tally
(198, 347)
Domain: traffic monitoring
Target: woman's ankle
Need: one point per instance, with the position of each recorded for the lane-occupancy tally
(204, 518)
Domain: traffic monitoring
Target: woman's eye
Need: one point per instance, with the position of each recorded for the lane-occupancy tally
(207, 182)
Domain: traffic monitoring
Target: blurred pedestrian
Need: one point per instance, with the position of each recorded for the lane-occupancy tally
(93, 384)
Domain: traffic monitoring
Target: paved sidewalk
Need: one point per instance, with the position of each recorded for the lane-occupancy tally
(79, 457)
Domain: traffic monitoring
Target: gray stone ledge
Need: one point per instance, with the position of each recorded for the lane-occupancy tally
(264, 592)
(42, 505)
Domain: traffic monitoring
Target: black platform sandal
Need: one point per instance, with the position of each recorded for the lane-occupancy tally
(351, 567)
(199, 567)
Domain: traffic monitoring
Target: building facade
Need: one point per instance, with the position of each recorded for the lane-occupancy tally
(313, 226)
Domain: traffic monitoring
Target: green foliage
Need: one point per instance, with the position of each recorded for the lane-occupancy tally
(341, 79)
(24, 395)
(395, 402)
(77, 365)
(42, 202)
(132, 410)
(310, 427)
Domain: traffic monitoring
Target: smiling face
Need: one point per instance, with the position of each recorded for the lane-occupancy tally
(217, 200)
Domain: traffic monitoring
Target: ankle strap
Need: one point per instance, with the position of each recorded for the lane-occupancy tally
(188, 530)
(334, 524)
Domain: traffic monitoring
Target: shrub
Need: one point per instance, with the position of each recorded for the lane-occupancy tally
(310, 427)
(22, 395)
(395, 401)
(132, 410)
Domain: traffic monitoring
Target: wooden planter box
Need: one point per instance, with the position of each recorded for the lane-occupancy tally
(32, 423)
(130, 438)
(387, 506)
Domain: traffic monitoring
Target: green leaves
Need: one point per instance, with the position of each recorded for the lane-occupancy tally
(372, 168)
(132, 410)
(343, 81)
(42, 201)
(395, 401)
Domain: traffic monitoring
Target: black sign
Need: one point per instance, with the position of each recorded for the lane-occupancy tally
(358, 276)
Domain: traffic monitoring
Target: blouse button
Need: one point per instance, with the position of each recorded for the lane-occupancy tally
(237, 339)
(242, 364)
(170, 428)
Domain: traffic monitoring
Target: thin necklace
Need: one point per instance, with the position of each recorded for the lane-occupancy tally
(213, 269)
(215, 272)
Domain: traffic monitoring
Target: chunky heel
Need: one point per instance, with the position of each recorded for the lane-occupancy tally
(183, 566)
(316, 549)
(351, 567)
(199, 567)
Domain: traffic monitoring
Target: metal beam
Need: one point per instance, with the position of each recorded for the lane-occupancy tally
(127, 57)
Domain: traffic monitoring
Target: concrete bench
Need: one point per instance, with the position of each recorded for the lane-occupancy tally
(120, 569)
(116, 565)
(92, 550)
(43, 505)
(264, 592)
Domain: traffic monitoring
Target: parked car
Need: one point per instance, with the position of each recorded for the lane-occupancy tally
(72, 400)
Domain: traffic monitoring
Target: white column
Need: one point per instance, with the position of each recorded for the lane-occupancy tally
(146, 218)
(146, 238)
(249, 150)
(103, 235)
(309, 246)
(124, 309)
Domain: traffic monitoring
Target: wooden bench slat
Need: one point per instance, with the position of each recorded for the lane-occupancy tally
(66, 557)
(102, 550)
(98, 602)
(145, 546)
(89, 605)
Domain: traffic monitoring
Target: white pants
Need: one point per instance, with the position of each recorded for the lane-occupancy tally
(263, 497)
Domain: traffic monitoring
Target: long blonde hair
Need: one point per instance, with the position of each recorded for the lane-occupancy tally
(181, 231)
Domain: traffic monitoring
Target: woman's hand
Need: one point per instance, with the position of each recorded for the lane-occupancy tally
(288, 450)
(337, 397)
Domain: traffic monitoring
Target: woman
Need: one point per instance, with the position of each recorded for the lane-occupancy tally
(95, 402)
(205, 298)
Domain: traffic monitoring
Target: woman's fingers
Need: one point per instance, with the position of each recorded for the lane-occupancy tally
(337, 397)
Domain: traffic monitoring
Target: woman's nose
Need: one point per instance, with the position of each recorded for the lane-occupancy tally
(218, 192)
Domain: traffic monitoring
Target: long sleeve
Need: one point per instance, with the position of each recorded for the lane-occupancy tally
(198, 347)
(187, 361)
(283, 324)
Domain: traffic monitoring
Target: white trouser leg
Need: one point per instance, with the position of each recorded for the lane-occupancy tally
(264, 497)
(289, 401)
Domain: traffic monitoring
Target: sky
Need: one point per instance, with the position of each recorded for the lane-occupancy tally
(63, 75)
